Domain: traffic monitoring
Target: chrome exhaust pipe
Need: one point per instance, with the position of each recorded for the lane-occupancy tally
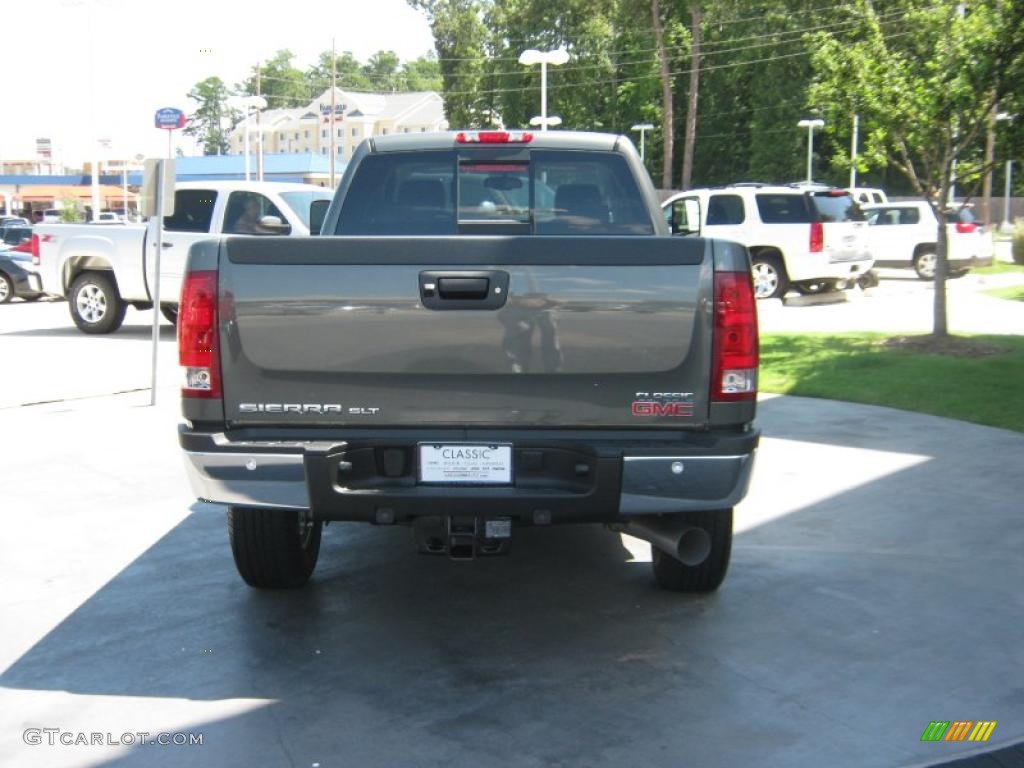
(686, 543)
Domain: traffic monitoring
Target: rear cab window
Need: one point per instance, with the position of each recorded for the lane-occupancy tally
(836, 206)
(446, 192)
(784, 208)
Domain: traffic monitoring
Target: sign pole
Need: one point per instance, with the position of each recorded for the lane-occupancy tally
(334, 85)
(161, 169)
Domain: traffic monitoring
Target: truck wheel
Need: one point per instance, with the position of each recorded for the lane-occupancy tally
(274, 549)
(672, 575)
(770, 281)
(6, 288)
(925, 263)
(170, 312)
(95, 304)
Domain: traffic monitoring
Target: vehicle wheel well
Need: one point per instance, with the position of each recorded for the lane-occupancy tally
(76, 265)
(769, 252)
(924, 248)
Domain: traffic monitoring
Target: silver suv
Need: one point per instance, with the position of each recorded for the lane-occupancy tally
(810, 238)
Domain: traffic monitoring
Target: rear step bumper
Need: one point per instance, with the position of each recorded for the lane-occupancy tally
(570, 478)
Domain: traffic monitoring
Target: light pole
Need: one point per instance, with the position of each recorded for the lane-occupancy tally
(810, 125)
(642, 127)
(1008, 184)
(853, 152)
(247, 103)
(556, 58)
(554, 121)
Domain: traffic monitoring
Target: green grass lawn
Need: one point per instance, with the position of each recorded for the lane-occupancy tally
(978, 378)
(1013, 293)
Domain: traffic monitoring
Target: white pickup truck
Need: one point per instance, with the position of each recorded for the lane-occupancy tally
(102, 270)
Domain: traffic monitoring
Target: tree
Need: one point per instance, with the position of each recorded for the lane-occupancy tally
(349, 74)
(924, 85)
(667, 133)
(690, 136)
(382, 70)
(459, 39)
(422, 74)
(206, 124)
(280, 82)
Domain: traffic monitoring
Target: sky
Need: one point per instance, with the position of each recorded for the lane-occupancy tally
(148, 55)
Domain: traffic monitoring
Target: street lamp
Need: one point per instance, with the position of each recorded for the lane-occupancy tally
(554, 121)
(247, 103)
(1006, 225)
(642, 127)
(556, 58)
(810, 125)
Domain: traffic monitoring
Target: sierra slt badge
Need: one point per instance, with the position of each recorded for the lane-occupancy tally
(679, 404)
(320, 409)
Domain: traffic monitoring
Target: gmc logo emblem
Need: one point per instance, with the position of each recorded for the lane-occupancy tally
(646, 408)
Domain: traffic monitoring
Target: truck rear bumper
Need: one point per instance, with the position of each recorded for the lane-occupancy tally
(557, 478)
(822, 267)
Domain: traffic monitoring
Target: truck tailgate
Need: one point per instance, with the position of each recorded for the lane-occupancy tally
(462, 331)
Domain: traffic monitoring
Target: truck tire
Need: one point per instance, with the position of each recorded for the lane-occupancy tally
(672, 575)
(273, 549)
(925, 262)
(6, 288)
(95, 305)
(770, 280)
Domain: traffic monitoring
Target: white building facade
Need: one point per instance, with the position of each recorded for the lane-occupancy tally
(357, 116)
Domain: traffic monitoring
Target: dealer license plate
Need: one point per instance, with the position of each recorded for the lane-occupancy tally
(465, 463)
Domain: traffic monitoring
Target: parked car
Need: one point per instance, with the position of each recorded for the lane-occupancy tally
(17, 278)
(14, 234)
(905, 234)
(51, 216)
(810, 237)
(13, 221)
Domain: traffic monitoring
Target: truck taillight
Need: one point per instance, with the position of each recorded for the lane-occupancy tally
(735, 345)
(198, 348)
(493, 137)
(817, 237)
(34, 250)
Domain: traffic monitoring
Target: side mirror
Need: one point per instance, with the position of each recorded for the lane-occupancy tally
(685, 218)
(317, 214)
(275, 225)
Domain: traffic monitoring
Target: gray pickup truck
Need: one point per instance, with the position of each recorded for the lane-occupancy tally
(495, 331)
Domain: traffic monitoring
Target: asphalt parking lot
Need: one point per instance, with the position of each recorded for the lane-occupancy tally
(875, 587)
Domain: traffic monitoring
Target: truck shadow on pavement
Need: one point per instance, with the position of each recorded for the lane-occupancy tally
(821, 648)
(124, 333)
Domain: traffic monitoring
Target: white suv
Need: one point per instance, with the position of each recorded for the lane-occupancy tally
(904, 235)
(813, 239)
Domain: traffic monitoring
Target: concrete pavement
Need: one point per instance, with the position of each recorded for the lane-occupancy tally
(875, 587)
(902, 303)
